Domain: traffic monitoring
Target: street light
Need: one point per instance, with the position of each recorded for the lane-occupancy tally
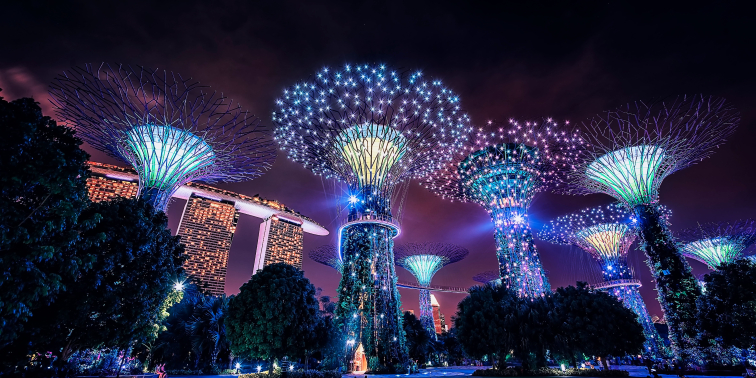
(238, 366)
(178, 286)
(258, 369)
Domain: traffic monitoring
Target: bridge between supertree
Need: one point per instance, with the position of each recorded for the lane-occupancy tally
(370, 128)
(628, 153)
(168, 128)
(502, 171)
(607, 232)
(715, 244)
(423, 260)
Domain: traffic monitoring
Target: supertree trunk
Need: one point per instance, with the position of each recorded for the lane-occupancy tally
(631, 298)
(426, 312)
(677, 287)
(519, 264)
(368, 304)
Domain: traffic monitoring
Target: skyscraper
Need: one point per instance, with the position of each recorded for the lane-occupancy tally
(436, 314)
(104, 187)
(280, 241)
(207, 228)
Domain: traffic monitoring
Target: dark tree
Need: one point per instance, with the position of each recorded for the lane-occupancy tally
(727, 309)
(592, 323)
(418, 338)
(487, 322)
(206, 327)
(119, 301)
(455, 354)
(274, 315)
(42, 192)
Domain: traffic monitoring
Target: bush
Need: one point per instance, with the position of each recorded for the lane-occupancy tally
(183, 372)
(546, 372)
(296, 374)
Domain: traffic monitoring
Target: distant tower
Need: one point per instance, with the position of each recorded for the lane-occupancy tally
(437, 328)
(628, 153)
(715, 244)
(169, 128)
(280, 241)
(423, 260)
(206, 229)
(327, 255)
(607, 232)
(502, 171)
(489, 276)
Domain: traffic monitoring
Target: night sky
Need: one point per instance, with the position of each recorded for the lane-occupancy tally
(566, 61)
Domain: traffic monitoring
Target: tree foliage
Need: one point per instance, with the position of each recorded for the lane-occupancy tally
(274, 315)
(571, 323)
(487, 322)
(42, 192)
(592, 323)
(119, 301)
(727, 309)
(418, 338)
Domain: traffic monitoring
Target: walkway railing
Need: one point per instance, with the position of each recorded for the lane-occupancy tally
(445, 289)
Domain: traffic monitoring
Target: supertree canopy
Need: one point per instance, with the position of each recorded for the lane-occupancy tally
(171, 129)
(607, 232)
(370, 128)
(629, 152)
(489, 276)
(423, 260)
(715, 244)
(502, 170)
(327, 255)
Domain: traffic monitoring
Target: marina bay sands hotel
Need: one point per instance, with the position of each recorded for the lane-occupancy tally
(208, 224)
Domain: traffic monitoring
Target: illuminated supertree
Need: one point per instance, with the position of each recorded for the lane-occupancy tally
(169, 128)
(327, 255)
(489, 276)
(502, 170)
(607, 232)
(423, 260)
(628, 154)
(370, 128)
(715, 244)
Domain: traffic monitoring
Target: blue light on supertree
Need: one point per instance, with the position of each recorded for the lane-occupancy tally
(502, 170)
(423, 260)
(371, 128)
(715, 244)
(170, 129)
(628, 153)
(327, 255)
(607, 232)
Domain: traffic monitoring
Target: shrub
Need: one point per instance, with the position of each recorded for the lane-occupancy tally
(545, 372)
(296, 374)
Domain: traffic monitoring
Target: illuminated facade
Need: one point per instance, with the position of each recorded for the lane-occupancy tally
(607, 232)
(209, 220)
(171, 130)
(423, 260)
(715, 244)
(437, 327)
(628, 153)
(371, 129)
(280, 241)
(103, 188)
(502, 171)
(206, 229)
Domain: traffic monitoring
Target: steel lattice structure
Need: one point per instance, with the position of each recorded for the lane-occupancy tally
(715, 244)
(489, 276)
(628, 153)
(169, 128)
(423, 260)
(503, 170)
(607, 232)
(327, 255)
(370, 128)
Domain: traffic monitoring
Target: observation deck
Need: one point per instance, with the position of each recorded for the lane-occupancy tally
(255, 206)
(385, 220)
(617, 283)
(445, 289)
